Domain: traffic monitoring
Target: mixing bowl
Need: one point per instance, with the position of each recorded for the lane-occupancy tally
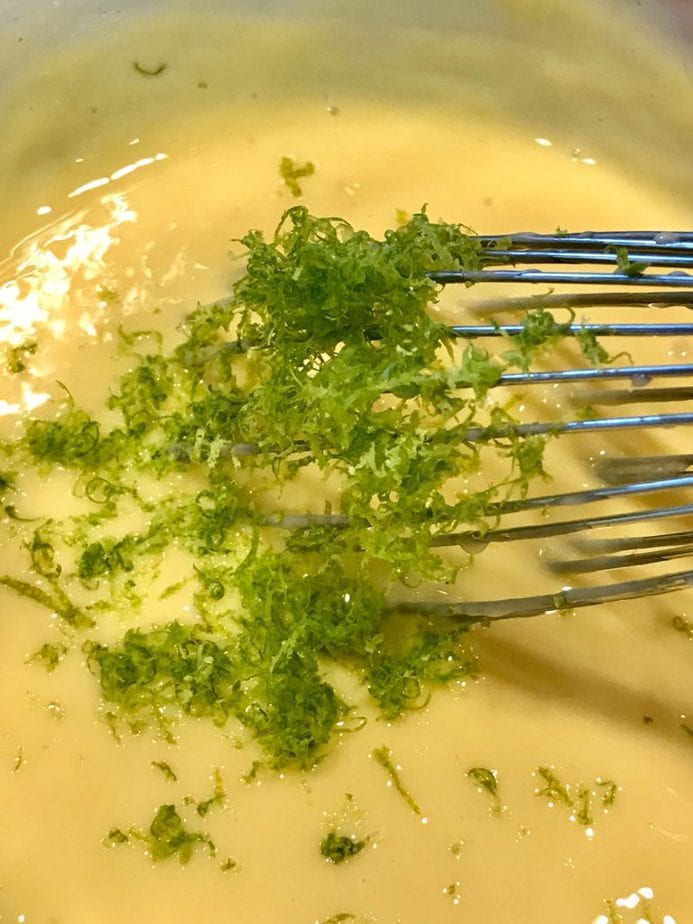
(141, 141)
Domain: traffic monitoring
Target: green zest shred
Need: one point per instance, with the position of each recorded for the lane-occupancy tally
(579, 798)
(165, 768)
(292, 172)
(218, 796)
(487, 780)
(325, 357)
(57, 602)
(383, 755)
(49, 655)
(643, 913)
(17, 357)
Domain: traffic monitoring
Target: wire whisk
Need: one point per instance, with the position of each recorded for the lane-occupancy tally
(639, 270)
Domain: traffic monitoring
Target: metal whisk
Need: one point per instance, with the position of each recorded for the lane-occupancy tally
(592, 262)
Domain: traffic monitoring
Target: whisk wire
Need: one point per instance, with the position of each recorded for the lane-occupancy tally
(631, 255)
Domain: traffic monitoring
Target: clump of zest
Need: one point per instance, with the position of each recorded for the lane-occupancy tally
(324, 357)
(17, 357)
(337, 848)
(166, 837)
(49, 655)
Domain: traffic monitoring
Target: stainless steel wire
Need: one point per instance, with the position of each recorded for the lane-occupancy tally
(592, 260)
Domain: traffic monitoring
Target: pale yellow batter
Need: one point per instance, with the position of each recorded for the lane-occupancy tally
(145, 182)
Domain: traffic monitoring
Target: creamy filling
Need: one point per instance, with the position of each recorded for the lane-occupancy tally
(144, 204)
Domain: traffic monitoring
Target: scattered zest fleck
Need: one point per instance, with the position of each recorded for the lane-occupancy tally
(578, 798)
(383, 755)
(488, 780)
(19, 761)
(49, 656)
(165, 768)
(683, 625)
(291, 172)
(609, 791)
(218, 796)
(149, 71)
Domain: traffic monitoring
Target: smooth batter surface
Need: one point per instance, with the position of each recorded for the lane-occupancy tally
(146, 181)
